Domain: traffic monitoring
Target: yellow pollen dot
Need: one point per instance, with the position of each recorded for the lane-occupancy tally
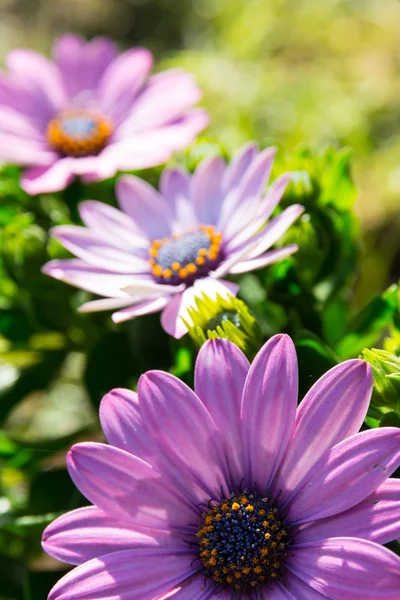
(157, 271)
(238, 575)
(249, 508)
(191, 268)
(200, 260)
(257, 570)
(176, 266)
(183, 273)
(235, 506)
(212, 561)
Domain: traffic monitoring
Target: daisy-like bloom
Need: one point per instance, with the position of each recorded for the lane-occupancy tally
(92, 112)
(231, 491)
(167, 247)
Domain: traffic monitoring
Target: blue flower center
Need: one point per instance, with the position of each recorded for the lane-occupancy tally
(242, 541)
(79, 132)
(185, 257)
(79, 126)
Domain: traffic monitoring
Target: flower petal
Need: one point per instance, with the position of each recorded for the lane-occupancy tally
(128, 488)
(41, 77)
(264, 260)
(124, 428)
(93, 279)
(145, 206)
(269, 409)
(221, 370)
(177, 309)
(246, 200)
(82, 63)
(174, 187)
(238, 166)
(142, 574)
(122, 81)
(99, 251)
(360, 463)
(167, 96)
(377, 518)
(205, 189)
(278, 592)
(52, 178)
(88, 532)
(183, 429)
(300, 589)
(343, 393)
(114, 224)
(146, 307)
(193, 588)
(347, 569)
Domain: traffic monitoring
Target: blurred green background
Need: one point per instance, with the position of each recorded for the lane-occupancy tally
(291, 73)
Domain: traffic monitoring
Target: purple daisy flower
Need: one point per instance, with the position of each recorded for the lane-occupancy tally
(168, 246)
(231, 491)
(92, 113)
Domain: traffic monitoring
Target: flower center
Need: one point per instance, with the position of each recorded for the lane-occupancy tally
(185, 257)
(79, 132)
(242, 541)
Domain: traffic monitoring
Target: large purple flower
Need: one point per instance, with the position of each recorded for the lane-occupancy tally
(232, 491)
(168, 246)
(92, 113)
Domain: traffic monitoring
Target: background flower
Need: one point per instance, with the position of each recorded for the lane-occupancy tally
(92, 113)
(233, 491)
(166, 247)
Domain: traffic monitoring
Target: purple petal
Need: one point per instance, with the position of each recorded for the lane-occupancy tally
(205, 189)
(16, 124)
(360, 463)
(238, 166)
(193, 588)
(14, 150)
(52, 178)
(81, 63)
(114, 224)
(301, 590)
(269, 408)
(264, 260)
(184, 430)
(221, 370)
(247, 199)
(167, 96)
(124, 428)
(271, 233)
(105, 304)
(278, 592)
(146, 307)
(89, 532)
(142, 574)
(343, 393)
(174, 187)
(377, 518)
(128, 488)
(347, 569)
(145, 206)
(84, 276)
(42, 79)
(97, 250)
(122, 81)
(177, 309)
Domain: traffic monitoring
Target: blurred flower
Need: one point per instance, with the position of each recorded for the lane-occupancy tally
(228, 318)
(233, 491)
(386, 370)
(92, 113)
(168, 247)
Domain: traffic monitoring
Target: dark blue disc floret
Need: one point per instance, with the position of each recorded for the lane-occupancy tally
(242, 541)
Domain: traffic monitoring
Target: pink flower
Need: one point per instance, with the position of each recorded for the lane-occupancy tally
(232, 491)
(168, 246)
(92, 113)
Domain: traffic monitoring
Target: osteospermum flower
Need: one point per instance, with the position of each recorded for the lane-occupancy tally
(92, 113)
(232, 491)
(167, 247)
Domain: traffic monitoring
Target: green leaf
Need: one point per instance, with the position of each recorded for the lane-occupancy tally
(314, 357)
